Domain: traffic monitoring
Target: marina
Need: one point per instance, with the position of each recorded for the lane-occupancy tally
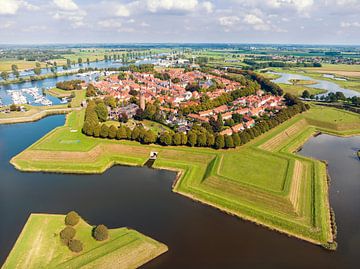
(28, 96)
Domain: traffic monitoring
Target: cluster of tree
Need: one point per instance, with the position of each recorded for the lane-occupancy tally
(151, 112)
(201, 135)
(261, 65)
(69, 85)
(333, 98)
(14, 107)
(67, 235)
(225, 98)
(265, 83)
(162, 75)
(91, 90)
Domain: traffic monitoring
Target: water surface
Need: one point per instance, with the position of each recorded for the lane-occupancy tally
(320, 84)
(198, 236)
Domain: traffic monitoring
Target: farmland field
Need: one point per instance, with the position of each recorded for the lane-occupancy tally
(39, 246)
(262, 181)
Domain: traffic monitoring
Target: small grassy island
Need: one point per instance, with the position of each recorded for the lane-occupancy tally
(46, 242)
(262, 181)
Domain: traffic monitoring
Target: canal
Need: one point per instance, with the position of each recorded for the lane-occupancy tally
(198, 236)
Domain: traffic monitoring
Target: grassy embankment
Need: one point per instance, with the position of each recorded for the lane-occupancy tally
(262, 181)
(39, 246)
(34, 113)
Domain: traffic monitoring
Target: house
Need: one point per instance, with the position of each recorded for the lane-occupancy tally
(238, 127)
(227, 132)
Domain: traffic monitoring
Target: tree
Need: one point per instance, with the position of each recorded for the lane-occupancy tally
(96, 130)
(236, 139)
(101, 233)
(192, 139)
(72, 218)
(165, 139)
(110, 101)
(75, 245)
(37, 71)
(101, 112)
(201, 140)
(121, 133)
(104, 131)
(124, 117)
(305, 94)
(90, 90)
(135, 134)
(177, 139)
(229, 143)
(112, 132)
(219, 142)
(210, 140)
(13, 107)
(67, 234)
(4, 75)
(149, 137)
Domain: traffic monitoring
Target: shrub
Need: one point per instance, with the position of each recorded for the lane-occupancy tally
(72, 218)
(100, 232)
(67, 234)
(75, 245)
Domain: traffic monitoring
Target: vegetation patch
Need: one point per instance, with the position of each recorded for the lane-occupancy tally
(262, 181)
(41, 245)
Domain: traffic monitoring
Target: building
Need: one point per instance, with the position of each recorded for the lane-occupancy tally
(142, 100)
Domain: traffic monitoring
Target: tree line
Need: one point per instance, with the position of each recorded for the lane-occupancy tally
(69, 85)
(200, 135)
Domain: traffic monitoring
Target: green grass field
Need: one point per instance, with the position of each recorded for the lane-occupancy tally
(262, 181)
(39, 246)
(297, 90)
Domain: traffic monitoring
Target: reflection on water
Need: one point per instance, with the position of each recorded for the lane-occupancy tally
(198, 236)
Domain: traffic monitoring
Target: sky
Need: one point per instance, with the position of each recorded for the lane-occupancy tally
(180, 21)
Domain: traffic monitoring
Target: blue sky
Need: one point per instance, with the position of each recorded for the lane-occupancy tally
(127, 21)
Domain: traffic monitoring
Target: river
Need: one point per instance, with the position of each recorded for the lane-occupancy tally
(198, 236)
(320, 84)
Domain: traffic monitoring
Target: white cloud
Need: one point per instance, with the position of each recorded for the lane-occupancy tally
(10, 7)
(256, 22)
(122, 11)
(228, 20)
(350, 24)
(6, 25)
(176, 5)
(68, 5)
(110, 23)
(208, 6)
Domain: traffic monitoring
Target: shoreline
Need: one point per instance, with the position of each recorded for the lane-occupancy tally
(37, 116)
(193, 166)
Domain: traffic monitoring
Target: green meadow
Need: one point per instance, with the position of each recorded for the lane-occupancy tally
(263, 181)
(39, 246)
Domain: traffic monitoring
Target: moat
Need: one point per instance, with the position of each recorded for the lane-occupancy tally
(198, 236)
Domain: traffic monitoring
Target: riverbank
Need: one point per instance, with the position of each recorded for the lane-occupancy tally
(39, 246)
(230, 180)
(350, 82)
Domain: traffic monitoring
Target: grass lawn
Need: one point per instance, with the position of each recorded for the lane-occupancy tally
(59, 93)
(298, 89)
(152, 125)
(39, 246)
(5, 65)
(246, 168)
(262, 181)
